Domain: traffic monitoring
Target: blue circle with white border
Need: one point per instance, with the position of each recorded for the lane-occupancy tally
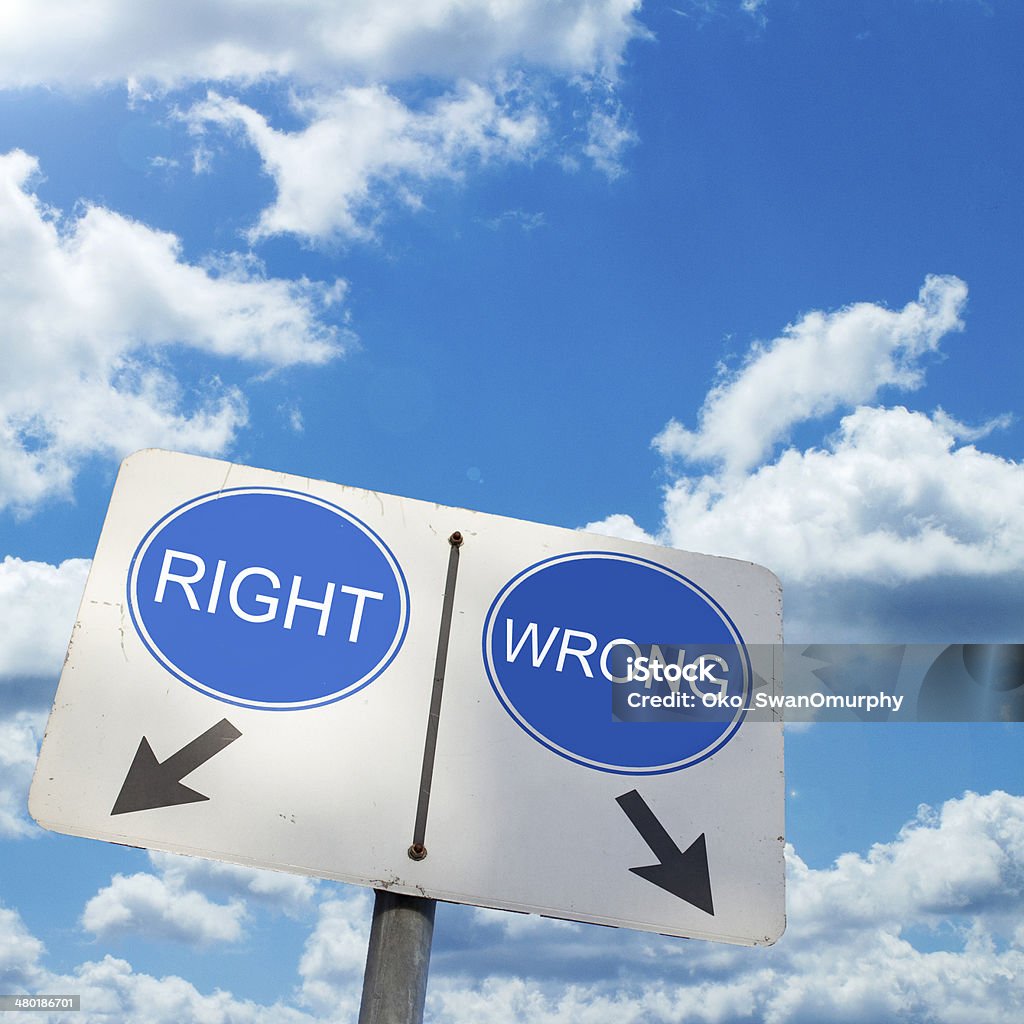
(609, 596)
(231, 592)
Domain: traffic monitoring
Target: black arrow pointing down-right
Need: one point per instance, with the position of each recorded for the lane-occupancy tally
(683, 873)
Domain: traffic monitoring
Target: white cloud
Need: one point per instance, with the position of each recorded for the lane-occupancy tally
(618, 524)
(20, 735)
(955, 871)
(515, 1000)
(881, 978)
(335, 955)
(40, 602)
(93, 307)
(290, 894)
(362, 146)
(193, 900)
(76, 43)
(489, 71)
(162, 908)
(608, 137)
(114, 992)
(488, 68)
(293, 416)
(20, 951)
(823, 362)
(965, 432)
(974, 849)
(111, 991)
(892, 497)
(527, 222)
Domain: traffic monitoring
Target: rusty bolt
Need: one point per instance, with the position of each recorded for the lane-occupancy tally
(417, 851)
(455, 539)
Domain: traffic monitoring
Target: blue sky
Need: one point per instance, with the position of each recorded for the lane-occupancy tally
(740, 277)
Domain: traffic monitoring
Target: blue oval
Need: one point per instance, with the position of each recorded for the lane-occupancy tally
(268, 598)
(609, 596)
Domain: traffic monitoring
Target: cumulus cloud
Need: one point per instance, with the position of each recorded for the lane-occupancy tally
(160, 907)
(361, 146)
(289, 894)
(974, 849)
(823, 362)
(20, 951)
(40, 602)
(117, 993)
(872, 978)
(954, 873)
(485, 73)
(20, 735)
(193, 900)
(891, 495)
(93, 306)
(71, 44)
(111, 990)
(618, 524)
(332, 962)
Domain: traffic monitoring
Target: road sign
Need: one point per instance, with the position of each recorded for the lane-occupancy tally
(548, 675)
(293, 674)
(212, 568)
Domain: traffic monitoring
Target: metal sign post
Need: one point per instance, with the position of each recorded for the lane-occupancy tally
(397, 959)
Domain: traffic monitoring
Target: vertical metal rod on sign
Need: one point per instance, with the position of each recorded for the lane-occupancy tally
(398, 956)
(397, 959)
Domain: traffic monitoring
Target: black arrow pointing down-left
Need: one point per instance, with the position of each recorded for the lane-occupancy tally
(152, 783)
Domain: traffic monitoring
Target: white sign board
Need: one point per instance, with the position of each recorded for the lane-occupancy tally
(294, 674)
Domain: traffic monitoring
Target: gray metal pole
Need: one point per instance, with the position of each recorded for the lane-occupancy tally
(397, 959)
